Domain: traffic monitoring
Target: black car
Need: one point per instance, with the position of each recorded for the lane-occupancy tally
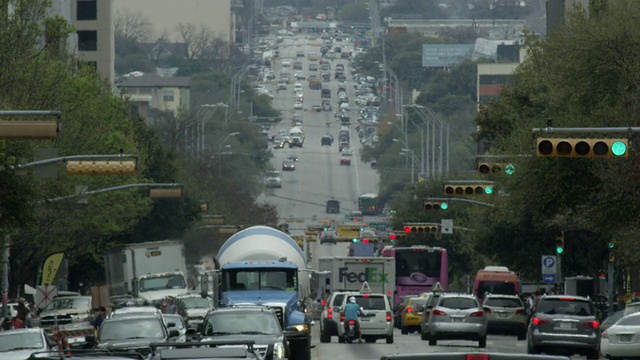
(255, 323)
(333, 207)
(327, 140)
(135, 333)
(208, 350)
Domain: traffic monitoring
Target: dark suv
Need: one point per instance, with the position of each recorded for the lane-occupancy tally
(333, 207)
(135, 333)
(565, 324)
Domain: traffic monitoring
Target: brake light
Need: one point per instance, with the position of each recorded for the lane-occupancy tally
(342, 317)
(409, 310)
(438, 313)
(352, 322)
(426, 313)
(365, 296)
(604, 335)
(388, 316)
(477, 314)
(594, 324)
(520, 312)
(324, 302)
(330, 313)
(477, 357)
(537, 321)
(567, 298)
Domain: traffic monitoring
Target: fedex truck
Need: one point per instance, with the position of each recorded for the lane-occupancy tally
(350, 273)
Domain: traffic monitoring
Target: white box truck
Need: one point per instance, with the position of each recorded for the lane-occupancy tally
(350, 273)
(150, 271)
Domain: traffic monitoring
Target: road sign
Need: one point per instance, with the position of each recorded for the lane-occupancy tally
(446, 226)
(549, 278)
(44, 295)
(549, 265)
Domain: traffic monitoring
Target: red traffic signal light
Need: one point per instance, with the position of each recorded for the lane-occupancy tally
(366, 241)
(407, 229)
(392, 237)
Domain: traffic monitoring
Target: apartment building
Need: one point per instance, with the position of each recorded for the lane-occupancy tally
(93, 42)
(149, 92)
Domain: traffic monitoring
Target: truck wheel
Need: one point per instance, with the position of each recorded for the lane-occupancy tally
(300, 351)
(404, 330)
(433, 342)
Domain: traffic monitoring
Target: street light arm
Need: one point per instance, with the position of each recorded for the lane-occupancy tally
(110, 189)
(74, 157)
(463, 200)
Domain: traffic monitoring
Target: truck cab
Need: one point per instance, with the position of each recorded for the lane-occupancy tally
(297, 137)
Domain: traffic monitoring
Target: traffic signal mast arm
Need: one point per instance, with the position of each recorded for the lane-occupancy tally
(550, 130)
(463, 200)
(116, 188)
(76, 157)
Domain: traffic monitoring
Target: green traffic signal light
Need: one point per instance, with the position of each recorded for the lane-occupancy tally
(488, 190)
(559, 250)
(611, 245)
(444, 206)
(618, 148)
(355, 240)
(509, 169)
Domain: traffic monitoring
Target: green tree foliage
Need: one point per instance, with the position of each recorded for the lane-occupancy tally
(584, 75)
(357, 12)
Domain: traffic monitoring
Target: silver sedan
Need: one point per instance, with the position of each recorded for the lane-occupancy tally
(458, 317)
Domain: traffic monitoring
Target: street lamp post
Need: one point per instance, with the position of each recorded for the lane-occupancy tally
(413, 157)
(203, 122)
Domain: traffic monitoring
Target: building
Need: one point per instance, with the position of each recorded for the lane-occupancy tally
(150, 91)
(165, 15)
(93, 42)
(498, 28)
(491, 79)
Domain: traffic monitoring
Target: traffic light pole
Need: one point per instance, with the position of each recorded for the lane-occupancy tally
(463, 200)
(110, 189)
(73, 157)
(610, 283)
(586, 130)
(559, 269)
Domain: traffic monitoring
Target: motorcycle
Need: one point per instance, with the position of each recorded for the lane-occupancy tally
(351, 331)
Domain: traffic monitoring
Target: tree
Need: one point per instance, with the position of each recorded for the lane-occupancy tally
(204, 46)
(131, 27)
(357, 13)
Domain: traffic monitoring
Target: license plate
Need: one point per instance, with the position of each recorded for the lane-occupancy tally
(459, 320)
(364, 319)
(626, 337)
(566, 325)
(504, 315)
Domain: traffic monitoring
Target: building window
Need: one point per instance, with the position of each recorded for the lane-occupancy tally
(87, 10)
(168, 96)
(87, 40)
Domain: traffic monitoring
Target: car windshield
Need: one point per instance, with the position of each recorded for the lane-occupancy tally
(195, 302)
(567, 306)
(162, 282)
(461, 303)
(418, 303)
(175, 319)
(613, 318)
(503, 302)
(273, 174)
(371, 302)
(338, 299)
(131, 328)
(20, 340)
(236, 322)
(68, 303)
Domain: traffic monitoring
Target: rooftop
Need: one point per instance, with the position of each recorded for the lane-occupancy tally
(152, 80)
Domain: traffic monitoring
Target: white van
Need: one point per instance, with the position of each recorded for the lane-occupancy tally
(297, 87)
(297, 137)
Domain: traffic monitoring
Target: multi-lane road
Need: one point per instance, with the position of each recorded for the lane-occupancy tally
(319, 177)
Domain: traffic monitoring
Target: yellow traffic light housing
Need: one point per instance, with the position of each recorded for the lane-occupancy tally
(421, 229)
(582, 148)
(90, 167)
(28, 130)
(167, 193)
(490, 167)
(435, 205)
(468, 189)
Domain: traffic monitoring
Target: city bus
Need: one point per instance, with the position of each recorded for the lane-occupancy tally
(369, 204)
(418, 269)
(496, 280)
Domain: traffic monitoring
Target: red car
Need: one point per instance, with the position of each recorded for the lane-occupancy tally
(345, 160)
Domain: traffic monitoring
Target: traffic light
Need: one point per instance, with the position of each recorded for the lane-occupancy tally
(468, 189)
(485, 167)
(101, 167)
(421, 229)
(167, 193)
(611, 245)
(365, 241)
(582, 148)
(355, 240)
(435, 205)
(392, 237)
(560, 243)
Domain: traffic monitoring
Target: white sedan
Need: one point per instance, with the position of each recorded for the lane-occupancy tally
(297, 105)
(622, 339)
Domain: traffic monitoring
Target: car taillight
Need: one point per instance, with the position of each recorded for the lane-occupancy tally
(409, 310)
(438, 313)
(520, 312)
(477, 357)
(604, 335)
(594, 324)
(537, 321)
(388, 316)
(341, 317)
(477, 314)
(352, 322)
(324, 302)
(330, 313)
(426, 313)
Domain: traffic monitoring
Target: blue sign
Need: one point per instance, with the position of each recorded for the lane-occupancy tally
(549, 278)
(443, 55)
(549, 264)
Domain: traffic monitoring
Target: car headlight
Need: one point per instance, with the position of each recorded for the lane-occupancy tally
(302, 327)
(278, 351)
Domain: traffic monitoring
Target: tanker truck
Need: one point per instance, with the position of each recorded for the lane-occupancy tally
(264, 266)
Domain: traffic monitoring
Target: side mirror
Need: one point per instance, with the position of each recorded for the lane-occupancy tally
(174, 333)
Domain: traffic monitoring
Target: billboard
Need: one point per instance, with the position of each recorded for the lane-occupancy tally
(443, 55)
